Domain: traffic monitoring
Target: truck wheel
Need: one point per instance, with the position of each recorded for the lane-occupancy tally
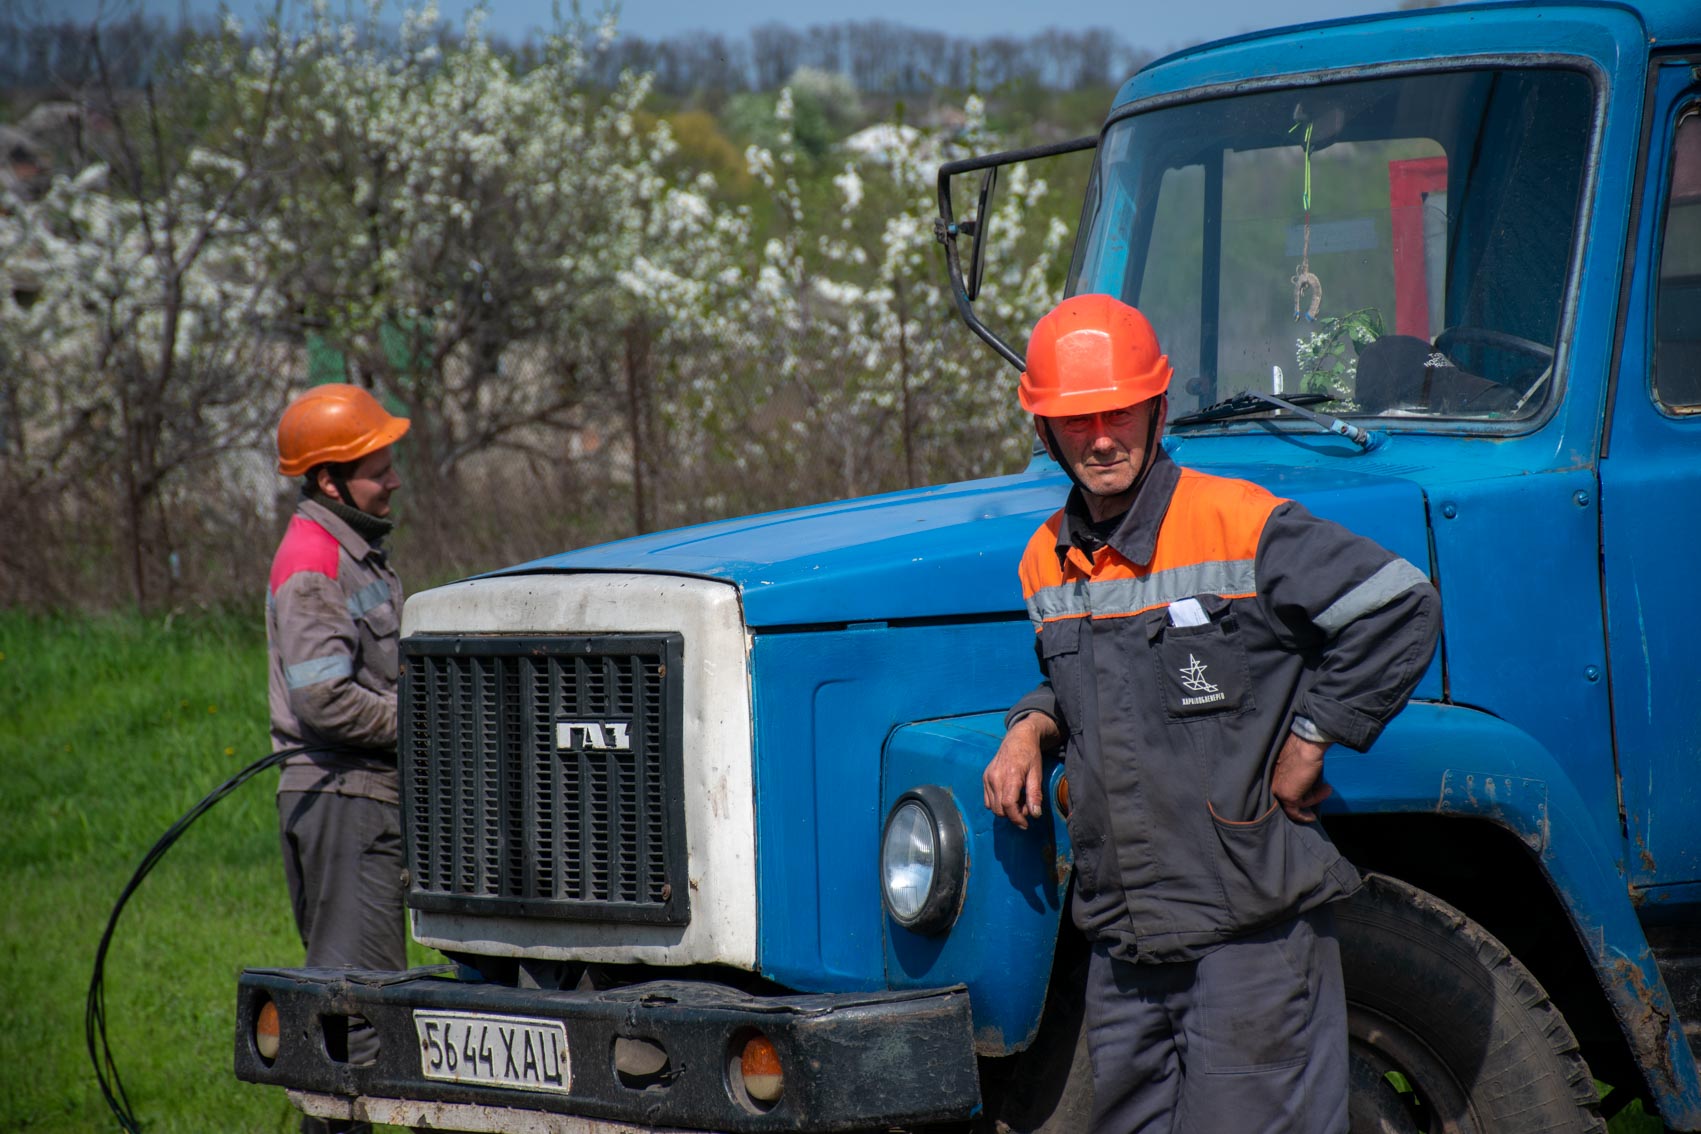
(1449, 1033)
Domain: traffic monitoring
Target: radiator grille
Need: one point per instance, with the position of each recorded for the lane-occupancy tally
(541, 776)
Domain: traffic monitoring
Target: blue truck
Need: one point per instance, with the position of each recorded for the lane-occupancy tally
(698, 815)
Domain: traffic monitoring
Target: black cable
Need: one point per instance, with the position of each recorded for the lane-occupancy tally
(94, 1013)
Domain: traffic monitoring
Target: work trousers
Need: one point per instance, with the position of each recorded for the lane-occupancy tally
(1250, 1038)
(343, 860)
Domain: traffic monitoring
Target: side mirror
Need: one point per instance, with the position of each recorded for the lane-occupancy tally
(965, 287)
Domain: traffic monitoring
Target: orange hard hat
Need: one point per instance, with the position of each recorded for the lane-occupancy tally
(333, 424)
(1092, 354)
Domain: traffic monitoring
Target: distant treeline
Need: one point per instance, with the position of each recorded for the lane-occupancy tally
(60, 54)
(879, 57)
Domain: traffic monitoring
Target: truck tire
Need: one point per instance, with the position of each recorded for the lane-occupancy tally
(1448, 1032)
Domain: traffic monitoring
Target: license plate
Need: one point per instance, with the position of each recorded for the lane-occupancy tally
(495, 1051)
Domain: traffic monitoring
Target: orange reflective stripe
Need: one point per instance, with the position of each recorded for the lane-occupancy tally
(1212, 519)
(1039, 567)
(1208, 544)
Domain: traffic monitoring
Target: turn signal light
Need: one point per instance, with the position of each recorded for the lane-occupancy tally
(266, 1031)
(764, 1080)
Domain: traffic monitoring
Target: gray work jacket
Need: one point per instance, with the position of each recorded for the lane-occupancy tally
(1178, 656)
(333, 622)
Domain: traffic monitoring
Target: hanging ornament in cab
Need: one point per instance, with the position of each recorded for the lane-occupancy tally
(1303, 278)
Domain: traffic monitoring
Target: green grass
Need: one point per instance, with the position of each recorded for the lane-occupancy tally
(1631, 1120)
(112, 727)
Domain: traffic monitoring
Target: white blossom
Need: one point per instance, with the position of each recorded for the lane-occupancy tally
(850, 187)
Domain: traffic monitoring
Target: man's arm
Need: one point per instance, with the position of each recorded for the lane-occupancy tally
(1371, 618)
(1297, 782)
(1012, 781)
(316, 642)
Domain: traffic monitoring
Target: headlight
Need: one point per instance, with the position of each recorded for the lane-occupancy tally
(923, 861)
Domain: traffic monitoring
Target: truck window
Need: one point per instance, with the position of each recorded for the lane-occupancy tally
(1170, 283)
(1399, 244)
(1677, 311)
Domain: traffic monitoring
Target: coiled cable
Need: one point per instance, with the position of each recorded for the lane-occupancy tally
(94, 1013)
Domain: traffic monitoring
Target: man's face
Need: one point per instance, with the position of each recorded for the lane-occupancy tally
(1106, 452)
(371, 481)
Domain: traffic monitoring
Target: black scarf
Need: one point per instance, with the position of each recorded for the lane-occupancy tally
(368, 527)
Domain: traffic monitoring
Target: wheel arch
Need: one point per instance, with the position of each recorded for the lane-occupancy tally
(1515, 902)
(1476, 812)
(1016, 888)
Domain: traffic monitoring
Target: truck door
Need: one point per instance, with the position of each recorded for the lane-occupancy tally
(1651, 503)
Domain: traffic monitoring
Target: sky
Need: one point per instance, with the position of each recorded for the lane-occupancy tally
(1155, 25)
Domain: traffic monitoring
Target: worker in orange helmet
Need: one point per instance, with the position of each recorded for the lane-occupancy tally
(333, 622)
(1202, 642)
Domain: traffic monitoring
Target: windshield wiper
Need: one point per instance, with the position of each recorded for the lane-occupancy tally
(1248, 401)
(1255, 401)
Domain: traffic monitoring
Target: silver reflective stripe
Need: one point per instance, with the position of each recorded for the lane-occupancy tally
(317, 670)
(373, 594)
(1160, 588)
(1376, 592)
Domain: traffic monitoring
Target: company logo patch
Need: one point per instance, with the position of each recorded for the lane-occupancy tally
(1193, 680)
(594, 736)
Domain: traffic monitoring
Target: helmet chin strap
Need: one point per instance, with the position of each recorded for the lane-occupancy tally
(1154, 438)
(1056, 452)
(340, 483)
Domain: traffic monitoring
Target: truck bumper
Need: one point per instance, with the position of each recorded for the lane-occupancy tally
(849, 1060)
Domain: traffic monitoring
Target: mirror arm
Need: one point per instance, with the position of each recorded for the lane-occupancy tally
(946, 229)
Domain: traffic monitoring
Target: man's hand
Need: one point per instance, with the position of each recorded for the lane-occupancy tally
(1297, 782)
(1011, 781)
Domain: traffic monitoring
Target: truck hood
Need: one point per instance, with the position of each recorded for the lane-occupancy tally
(944, 552)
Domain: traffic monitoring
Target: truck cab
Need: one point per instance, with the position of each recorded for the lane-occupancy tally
(698, 815)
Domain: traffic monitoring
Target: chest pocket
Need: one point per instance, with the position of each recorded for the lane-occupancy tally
(372, 605)
(376, 618)
(1202, 669)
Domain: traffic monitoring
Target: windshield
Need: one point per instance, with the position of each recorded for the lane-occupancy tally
(1399, 244)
